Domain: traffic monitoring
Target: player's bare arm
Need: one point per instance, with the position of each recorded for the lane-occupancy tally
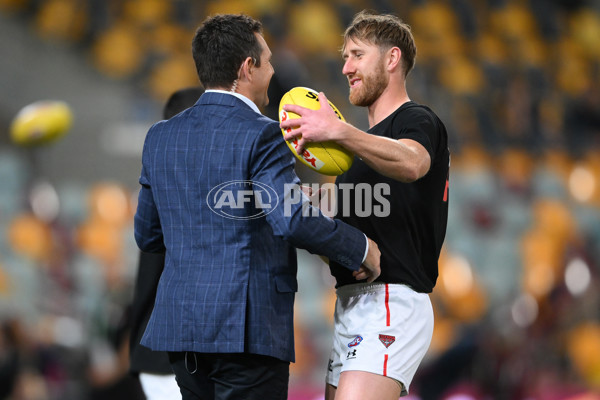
(404, 160)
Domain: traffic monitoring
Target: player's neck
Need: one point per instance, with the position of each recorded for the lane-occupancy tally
(389, 101)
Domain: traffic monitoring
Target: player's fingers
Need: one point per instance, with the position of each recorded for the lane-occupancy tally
(360, 276)
(307, 190)
(300, 147)
(323, 98)
(292, 134)
(321, 193)
(290, 123)
(296, 109)
(371, 278)
(364, 274)
(361, 273)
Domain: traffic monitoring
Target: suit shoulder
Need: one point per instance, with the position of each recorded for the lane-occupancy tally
(155, 129)
(168, 124)
(248, 114)
(250, 119)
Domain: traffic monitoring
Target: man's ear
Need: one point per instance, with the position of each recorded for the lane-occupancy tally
(247, 68)
(394, 58)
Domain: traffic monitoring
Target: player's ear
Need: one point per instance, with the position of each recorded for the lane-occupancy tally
(394, 58)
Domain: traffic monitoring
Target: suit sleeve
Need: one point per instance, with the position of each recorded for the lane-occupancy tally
(147, 228)
(294, 219)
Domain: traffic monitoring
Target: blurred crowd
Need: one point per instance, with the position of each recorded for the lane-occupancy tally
(517, 303)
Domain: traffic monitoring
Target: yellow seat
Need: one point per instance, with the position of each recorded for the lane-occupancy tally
(30, 237)
(147, 12)
(314, 28)
(461, 76)
(583, 349)
(12, 6)
(459, 289)
(62, 19)
(513, 21)
(515, 167)
(491, 49)
(118, 52)
(172, 74)
(584, 28)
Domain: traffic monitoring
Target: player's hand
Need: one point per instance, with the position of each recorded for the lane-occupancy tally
(370, 269)
(322, 198)
(307, 190)
(312, 126)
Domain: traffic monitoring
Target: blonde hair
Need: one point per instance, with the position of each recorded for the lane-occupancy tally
(385, 31)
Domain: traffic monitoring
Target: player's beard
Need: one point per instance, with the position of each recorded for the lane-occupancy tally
(371, 88)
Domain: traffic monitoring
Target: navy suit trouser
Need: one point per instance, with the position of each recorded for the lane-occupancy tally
(235, 376)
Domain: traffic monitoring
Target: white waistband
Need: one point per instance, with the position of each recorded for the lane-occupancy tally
(360, 288)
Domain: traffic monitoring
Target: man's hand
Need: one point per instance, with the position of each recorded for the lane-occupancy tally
(370, 269)
(307, 190)
(312, 126)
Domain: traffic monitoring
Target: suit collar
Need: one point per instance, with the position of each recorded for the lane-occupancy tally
(227, 98)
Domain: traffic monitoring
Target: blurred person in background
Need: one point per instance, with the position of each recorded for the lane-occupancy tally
(10, 367)
(383, 329)
(153, 367)
(224, 302)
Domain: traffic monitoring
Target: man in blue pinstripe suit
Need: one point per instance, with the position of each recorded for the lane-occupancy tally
(220, 196)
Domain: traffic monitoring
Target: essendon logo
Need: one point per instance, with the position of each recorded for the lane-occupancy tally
(387, 340)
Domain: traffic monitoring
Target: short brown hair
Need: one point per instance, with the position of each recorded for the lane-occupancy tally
(385, 31)
(220, 46)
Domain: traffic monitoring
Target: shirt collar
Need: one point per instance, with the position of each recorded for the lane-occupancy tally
(246, 100)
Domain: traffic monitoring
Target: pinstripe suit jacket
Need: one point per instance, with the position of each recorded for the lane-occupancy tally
(229, 280)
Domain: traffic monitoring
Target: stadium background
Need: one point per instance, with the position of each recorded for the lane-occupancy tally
(517, 83)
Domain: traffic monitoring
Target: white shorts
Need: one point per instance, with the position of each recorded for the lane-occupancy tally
(381, 328)
(160, 387)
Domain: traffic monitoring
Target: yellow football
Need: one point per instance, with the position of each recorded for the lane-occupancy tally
(41, 122)
(327, 158)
